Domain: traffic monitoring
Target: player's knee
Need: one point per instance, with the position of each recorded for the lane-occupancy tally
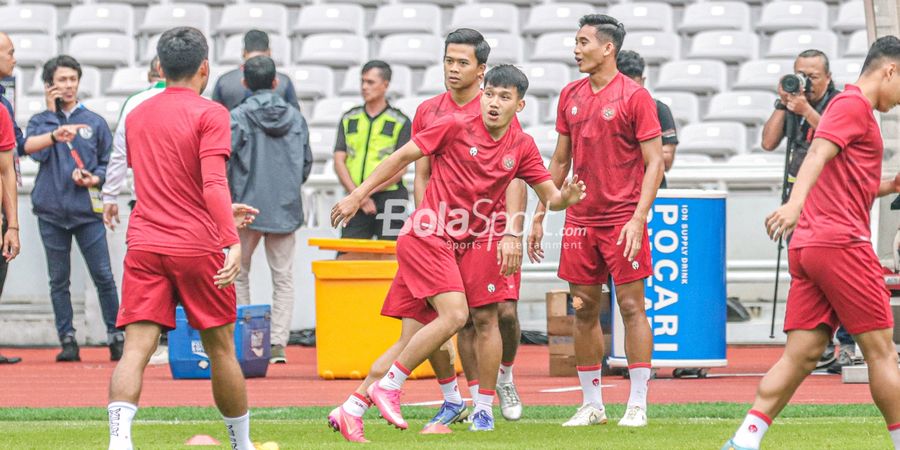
(632, 309)
(455, 319)
(507, 317)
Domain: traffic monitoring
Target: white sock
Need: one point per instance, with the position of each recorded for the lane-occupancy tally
(895, 435)
(450, 389)
(484, 401)
(506, 375)
(473, 391)
(394, 378)
(753, 429)
(589, 377)
(121, 414)
(356, 405)
(640, 383)
(239, 432)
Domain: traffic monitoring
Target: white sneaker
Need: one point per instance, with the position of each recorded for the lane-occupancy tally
(635, 416)
(510, 404)
(587, 415)
(160, 356)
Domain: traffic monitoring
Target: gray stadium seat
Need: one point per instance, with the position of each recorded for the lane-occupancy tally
(555, 47)
(334, 49)
(161, 17)
(321, 141)
(793, 15)
(550, 17)
(409, 104)
(651, 16)
(506, 48)
(857, 45)
(32, 49)
(108, 108)
(417, 50)
(724, 15)
(655, 47)
(748, 107)
(127, 81)
(684, 105)
(851, 17)
(432, 81)
(546, 79)
(682, 159)
(486, 17)
(328, 111)
(789, 43)
(550, 117)
(698, 76)
(401, 81)
(102, 49)
(29, 19)
(329, 18)
(234, 45)
(432, 2)
(27, 107)
(406, 18)
(97, 17)
(242, 17)
(88, 86)
(845, 71)
(728, 46)
(531, 114)
(214, 73)
(756, 159)
(311, 81)
(763, 74)
(545, 137)
(713, 138)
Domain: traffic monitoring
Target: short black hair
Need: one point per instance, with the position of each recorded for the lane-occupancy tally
(256, 41)
(813, 53)
(181, 51)
(884, 47)
(259, 73)
(607, 28)
(468, 36)
(507, 75)
(384, 67)
(630, 64)
(55, 63)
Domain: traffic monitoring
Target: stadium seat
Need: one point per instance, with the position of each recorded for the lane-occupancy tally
(234, 45)
(857, 45)
(29, 167)
(417, 50)
(328, 111)
(748, 107)
(32, 49)
(756, 159)
(401, 81)
(311, 81)
(763, 74)
(406, 18)
(545, 137)
(127, 81)
(531, 114)
(27, 107)
(845, 71)
(107, 107)
(656, 47)
(550, 117)
(432, 2)
(793, 15)
(546, 79)
(682, 159)
(409, 104)
(790, 43)
(713, 138)
(432, 81)
(161, 17)
(102, 49)
(100, 17)
(698, 76)
(707, 16)
(334, 49)
(555, 47)
(728, 46)
(486, 17)
(506, 48)
(650, 16)
(29, 19)
(851, 17)
(321, 141)
(242, 17)
(684, 105)
(550, 17)
(329, 18)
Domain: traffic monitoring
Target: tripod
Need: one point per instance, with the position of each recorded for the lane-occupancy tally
(790, 129)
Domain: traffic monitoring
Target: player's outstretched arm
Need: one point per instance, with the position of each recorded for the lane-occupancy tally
(345, 209)
(571, 193)
(889, 187)
(560, 164)
(783, 221)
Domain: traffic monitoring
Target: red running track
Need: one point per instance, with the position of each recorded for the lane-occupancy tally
(39, 381)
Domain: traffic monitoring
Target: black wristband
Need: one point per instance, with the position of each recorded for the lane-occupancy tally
(53, 136)
(780, 106)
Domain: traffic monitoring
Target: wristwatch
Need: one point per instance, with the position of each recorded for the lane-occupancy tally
(780, 106)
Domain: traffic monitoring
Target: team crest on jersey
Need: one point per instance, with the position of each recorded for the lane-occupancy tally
(574, 110)
(609, 113)
(508, 162)
(473, 151)
(86, 133)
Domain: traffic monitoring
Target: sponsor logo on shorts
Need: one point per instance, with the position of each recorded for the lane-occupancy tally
(492, 288)
(86, 133)
(609, 113)
(635, 265)
(508, 162)
(473, 151)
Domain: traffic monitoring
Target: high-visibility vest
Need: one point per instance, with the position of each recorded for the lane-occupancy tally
(371, 140)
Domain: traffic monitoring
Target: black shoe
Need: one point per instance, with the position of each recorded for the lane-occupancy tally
(116, 347)
(9, 359)
(69, 350)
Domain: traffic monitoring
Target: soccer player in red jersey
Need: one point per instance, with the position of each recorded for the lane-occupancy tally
(178, 143)
(474, 158)
(609, 134)
(836, 277)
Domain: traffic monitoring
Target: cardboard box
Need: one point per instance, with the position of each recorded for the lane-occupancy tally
(559, 304)
(560, 326)
(562, 366)
(562, 345)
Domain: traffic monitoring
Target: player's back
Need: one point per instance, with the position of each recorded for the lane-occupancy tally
(167, 135)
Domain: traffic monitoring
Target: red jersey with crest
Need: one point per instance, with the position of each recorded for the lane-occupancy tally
(606, 129)
(469, 174)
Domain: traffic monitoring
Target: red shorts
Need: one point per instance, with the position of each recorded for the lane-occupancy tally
(481, 274)
(589, 255)
(837, 286)
(154, 284)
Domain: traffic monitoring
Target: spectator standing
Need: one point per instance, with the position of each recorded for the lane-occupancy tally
(10, 230)
(231, 92)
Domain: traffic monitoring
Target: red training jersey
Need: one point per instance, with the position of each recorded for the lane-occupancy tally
(167, 136)
(606, 129)
(836, 213)
(470, 173)
(7, 132)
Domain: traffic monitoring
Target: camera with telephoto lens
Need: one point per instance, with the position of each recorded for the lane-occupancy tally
(796, 83)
